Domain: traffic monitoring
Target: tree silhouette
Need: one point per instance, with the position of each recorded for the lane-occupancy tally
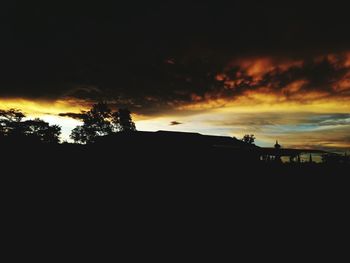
(102, 121)
(80, 134)
(12, 125)
(42, 130)
(250, 139)
(96, 122)
(11, 122)
(123, 121)
(12, 115)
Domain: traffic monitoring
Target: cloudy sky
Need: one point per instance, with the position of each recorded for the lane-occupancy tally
(279, 70)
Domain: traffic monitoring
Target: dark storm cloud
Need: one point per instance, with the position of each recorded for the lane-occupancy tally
(77, 116)
(175, 123)
(160, 54)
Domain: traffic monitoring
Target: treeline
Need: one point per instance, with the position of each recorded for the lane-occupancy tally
(100, 120)
(14, 126)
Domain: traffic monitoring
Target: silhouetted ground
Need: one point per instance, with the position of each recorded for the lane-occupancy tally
(148, 162)
(96, 173)
(147, 172)
(102, 193)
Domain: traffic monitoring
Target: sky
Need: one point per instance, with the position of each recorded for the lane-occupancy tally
(277, 69)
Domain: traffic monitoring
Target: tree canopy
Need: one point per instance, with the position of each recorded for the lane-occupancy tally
(250, 139)
(12, 124)
(100, 120)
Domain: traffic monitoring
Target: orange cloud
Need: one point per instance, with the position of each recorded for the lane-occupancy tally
(343, 84)
(257, 68)
(279, 83)
(221, 77)
(294, 87)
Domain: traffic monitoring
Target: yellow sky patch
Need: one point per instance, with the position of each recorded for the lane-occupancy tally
(317, 102)
(37, 108)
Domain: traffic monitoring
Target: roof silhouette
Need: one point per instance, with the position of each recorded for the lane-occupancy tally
(175, 138)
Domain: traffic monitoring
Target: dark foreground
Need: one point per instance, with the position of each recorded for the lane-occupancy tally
(163, 201)
(107, 177)
(104, 162)
(145, 169)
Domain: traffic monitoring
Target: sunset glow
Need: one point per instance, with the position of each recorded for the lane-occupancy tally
(298, 113)
(283, 74)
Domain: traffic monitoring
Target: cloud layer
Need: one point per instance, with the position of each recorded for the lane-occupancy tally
(272, 68)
